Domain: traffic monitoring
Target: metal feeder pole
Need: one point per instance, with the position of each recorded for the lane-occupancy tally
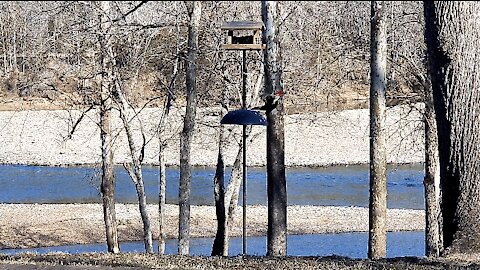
(244, 135)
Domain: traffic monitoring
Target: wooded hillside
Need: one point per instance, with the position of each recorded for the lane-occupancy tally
(49, 53)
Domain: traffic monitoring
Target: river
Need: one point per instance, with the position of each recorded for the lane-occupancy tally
(335, 185)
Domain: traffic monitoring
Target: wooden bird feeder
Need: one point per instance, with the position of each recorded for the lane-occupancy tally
(243, 35)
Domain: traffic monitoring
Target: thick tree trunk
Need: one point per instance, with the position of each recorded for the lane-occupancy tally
(194, 10)
(432, 179)
(219, 245)
(276, 180)
(108, 179)
(219, 193)
(377, 242)
(452, 34)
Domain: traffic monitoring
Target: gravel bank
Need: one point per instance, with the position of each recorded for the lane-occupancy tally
(320, 139)
(33, 225)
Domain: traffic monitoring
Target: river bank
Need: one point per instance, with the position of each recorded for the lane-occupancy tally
(35, 225)
(45, 137)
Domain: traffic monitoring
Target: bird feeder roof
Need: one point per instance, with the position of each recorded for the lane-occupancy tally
(242, 25)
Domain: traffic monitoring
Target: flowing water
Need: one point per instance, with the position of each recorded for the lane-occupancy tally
(353, 245)
(336, 185)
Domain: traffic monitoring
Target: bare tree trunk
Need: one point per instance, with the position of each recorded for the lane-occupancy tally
(377, 242)
(219, 193)
(142, 205)
(161, 200)
(219, 245)
(162, 144)
(108, 179)
(135, 169)
(194, 10)
(231, 198)
(432, 179)
(276, 180)
(452, 34)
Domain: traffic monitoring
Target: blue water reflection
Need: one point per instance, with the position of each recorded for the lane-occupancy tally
(336, 185)
(354, 245)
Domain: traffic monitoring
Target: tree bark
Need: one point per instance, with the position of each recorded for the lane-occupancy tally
(194, 10)
(432, 179)
(276, 180)
(220, 247)
(161, 200)
(377, 242)
(219, 194)
(135, 169)
(108, 179)
(452, 34)
(135, 172)
(231, 197)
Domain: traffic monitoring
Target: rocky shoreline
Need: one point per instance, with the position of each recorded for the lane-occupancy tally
(45, 137)
(35, 225)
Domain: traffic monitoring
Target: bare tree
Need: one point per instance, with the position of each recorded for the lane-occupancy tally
(108, 179)
(194, 11)
(220, 244)
(163, 144)
(226, 199)
(452, 34)
(377, 242)
(431, 182)
(276, 180)
(135, 168)
(128, 115)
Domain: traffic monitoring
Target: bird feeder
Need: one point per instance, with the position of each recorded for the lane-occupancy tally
(242, 35)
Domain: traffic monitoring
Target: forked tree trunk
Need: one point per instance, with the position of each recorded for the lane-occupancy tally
(219, 194)
(135, 169)
(276, 180)
(377, 241)
(194, 10)
(108, 179)
(220, 244)
(231, 198)
(230, 202)
(452, 34)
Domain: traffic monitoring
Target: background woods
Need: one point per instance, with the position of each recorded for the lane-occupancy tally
(48, 50)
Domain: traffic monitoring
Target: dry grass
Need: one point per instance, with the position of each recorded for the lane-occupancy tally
(144, 261)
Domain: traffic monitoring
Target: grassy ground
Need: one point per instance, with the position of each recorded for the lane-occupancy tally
(143, 261)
